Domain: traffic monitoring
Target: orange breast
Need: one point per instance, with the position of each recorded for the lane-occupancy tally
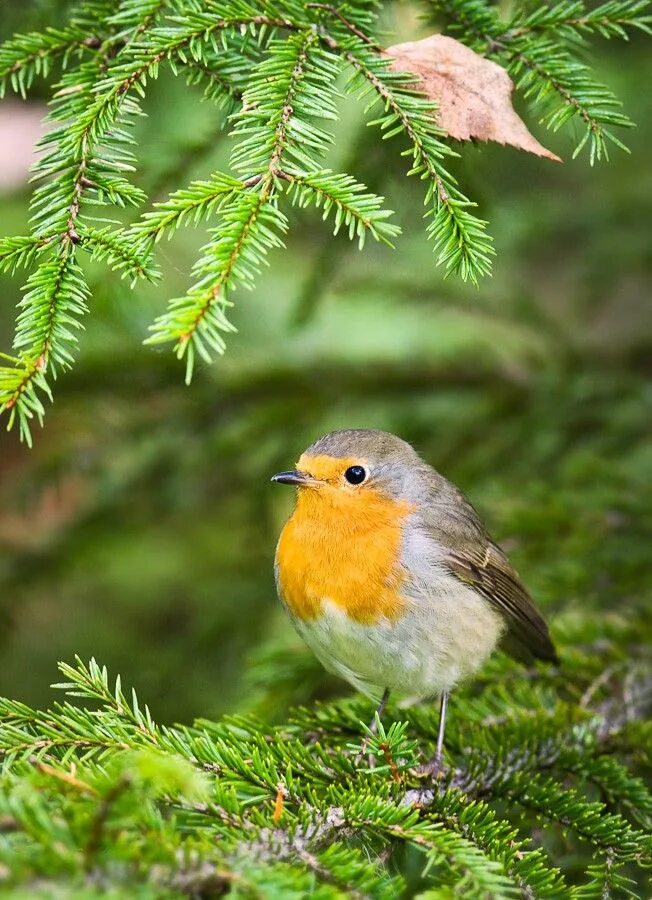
(343, 547)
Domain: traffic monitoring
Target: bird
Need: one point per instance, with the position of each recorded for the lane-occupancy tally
(390, 577)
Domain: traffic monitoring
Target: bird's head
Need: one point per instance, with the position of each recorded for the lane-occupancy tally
(354, 465)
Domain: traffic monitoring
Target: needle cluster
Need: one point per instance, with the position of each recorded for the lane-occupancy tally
(278, 68)
(98, 796)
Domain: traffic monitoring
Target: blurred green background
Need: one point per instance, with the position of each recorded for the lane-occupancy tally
(141, 527)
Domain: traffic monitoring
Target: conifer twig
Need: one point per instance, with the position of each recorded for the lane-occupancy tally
(239, 51)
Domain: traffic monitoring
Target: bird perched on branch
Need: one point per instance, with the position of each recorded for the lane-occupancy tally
(390, 577)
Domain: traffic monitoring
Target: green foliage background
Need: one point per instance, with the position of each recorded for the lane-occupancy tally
(145, 523)
(141, 528)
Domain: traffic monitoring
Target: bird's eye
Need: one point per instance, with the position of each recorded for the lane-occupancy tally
(355, 474)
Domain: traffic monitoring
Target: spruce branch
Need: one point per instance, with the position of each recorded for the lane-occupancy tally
(216, 82)
(542, 67)
(21, 251)
(72, 775)
(57, 290)
(189, 38)
(139, 14)
(251, 226)
(608, 832)
(606, 880)
(608, 20)
(114, 248)
(500, 840)
(275, 68)
(350, 26)
(355, 209)
(274, 127)
(28, 56)
(25, 57)
(459, 237)
(195, 203)
(45, 313)
(539, 49)
(616, 783)
(54, 301)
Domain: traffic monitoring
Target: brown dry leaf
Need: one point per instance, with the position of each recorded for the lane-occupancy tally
(474, 94)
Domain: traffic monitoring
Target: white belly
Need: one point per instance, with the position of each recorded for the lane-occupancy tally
(446, 634)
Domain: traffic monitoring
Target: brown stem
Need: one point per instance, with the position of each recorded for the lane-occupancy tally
(265, 178)
(352, 28)
(386, 95)
(99, 822)
(66, 777)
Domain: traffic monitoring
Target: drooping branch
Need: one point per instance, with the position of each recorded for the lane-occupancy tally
(278, 65)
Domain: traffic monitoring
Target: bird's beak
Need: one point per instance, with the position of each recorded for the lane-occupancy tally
(294, 476)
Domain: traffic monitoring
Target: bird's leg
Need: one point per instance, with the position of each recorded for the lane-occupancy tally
(373, 725)
(434, 766)
(443, 707)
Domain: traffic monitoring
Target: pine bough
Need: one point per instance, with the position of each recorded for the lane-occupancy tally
(98, 797)
(276, 67)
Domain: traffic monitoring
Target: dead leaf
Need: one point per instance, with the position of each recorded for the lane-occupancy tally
(473, 94)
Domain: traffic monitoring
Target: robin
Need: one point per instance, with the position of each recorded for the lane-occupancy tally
(390, 577)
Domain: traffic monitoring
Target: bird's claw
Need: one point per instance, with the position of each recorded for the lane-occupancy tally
(435, 769)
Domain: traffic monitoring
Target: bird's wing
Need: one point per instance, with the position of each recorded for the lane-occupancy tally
(472, 557)
(487, 569)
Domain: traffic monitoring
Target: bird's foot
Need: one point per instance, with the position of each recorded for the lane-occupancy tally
(434, 769)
